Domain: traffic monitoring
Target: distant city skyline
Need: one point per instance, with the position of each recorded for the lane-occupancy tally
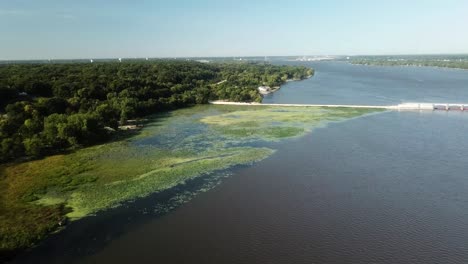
(53, 29)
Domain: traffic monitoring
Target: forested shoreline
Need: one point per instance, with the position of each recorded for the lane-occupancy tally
(442, 61)
(49, 108)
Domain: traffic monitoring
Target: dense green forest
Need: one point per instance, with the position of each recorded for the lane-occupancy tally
(47, 108)
(444, 61)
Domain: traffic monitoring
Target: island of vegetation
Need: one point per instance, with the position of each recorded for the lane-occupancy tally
(443, 61)
(65, 158)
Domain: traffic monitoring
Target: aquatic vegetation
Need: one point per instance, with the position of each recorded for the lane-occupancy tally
(37, 196)
(178, 170)
(275, 123)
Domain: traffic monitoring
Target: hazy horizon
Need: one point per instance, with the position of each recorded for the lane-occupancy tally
(53, 29)
(253, 56)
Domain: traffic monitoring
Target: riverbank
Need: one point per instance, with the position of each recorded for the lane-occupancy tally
(266, 90)
(460, 65)
(39, 197)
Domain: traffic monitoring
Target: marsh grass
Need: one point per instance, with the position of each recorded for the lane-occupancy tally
(37, 196)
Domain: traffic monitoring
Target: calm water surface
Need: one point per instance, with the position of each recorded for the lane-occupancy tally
(343, 83)
(383, 188)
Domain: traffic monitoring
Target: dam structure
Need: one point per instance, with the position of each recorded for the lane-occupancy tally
(399, 107)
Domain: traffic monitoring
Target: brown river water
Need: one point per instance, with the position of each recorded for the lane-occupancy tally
(383, 188)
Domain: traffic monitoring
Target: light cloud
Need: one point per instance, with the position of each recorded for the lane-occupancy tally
(19, 13)
(66, 16)
(14, 12)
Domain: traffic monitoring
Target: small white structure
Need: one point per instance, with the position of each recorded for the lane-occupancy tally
(264, 89)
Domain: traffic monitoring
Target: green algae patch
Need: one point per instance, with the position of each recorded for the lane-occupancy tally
(101, 196)
(37, 197)
(275, 123)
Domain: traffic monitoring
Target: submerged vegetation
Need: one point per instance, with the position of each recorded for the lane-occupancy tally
(48, 108)
(37, 197)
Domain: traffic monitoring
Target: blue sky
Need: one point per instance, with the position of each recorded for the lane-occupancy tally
(33, 29)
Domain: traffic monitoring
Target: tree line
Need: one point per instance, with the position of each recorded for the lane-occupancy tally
(443, 61)
(45, 108)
